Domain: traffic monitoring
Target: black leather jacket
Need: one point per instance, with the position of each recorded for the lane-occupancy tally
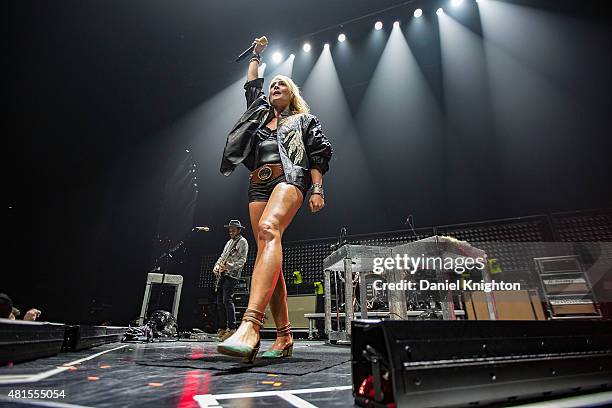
(301, 142)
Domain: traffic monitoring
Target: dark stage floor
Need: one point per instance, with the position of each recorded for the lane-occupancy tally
(173, 373)
(191, 374)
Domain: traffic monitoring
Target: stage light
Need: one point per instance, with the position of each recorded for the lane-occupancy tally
(326, 45)
(342, 38)
(378, 25)
(291, 55)
(418, 13)
(456, 3)
(277, 57)
(440, 11)
(187, 150)
(396, 24)
(306, 47)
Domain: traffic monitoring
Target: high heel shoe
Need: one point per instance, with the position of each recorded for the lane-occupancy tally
(286, 351)
(239, 349)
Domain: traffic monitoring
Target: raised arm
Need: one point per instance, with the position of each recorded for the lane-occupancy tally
(260, 45)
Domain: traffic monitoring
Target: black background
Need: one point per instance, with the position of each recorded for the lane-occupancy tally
(95, 87)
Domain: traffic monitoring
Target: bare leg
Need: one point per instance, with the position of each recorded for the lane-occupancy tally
(278, 307)
(278, 213)
(278, 302)
(256, 209)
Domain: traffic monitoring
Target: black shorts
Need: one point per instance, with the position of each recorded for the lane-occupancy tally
(263, 191)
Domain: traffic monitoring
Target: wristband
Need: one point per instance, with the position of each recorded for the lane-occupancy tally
(317, 188)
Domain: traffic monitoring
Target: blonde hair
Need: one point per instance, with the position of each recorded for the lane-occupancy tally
(297, 104)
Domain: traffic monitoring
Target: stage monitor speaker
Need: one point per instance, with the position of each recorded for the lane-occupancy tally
(80, 337)
(468, 363)
(23, 340)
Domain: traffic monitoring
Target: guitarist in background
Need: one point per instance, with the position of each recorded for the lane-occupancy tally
(227, 270)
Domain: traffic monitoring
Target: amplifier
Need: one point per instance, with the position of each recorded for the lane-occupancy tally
(566, 288)
(556, 286)
(573, 306)
(298, 306)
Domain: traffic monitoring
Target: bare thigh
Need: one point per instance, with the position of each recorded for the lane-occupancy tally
(256, 208)
(284, 203)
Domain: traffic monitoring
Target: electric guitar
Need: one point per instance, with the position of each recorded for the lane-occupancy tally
(223, 264)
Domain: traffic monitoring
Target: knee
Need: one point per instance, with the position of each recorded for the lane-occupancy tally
(267, 231)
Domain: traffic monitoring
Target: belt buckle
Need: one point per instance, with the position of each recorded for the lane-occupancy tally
(264, 173)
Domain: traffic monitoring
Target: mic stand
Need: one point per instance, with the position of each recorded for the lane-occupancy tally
(341, 240)
(168, 255)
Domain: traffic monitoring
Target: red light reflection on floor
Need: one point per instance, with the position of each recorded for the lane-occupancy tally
(196, 382)
(197, 353)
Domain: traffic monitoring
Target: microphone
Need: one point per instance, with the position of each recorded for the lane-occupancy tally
(248, 51)
(245, 53)
(201, 229)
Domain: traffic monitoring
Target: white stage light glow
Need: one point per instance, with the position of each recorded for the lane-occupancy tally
(418, 13)
(306, 47)
(277, 57)
(342, 38)
(378, 25)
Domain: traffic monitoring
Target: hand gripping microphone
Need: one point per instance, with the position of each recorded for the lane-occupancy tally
(248, 51)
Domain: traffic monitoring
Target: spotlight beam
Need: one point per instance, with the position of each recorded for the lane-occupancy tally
(323, 91)
(397, 99)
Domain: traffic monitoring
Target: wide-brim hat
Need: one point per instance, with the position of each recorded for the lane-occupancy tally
(234, 223)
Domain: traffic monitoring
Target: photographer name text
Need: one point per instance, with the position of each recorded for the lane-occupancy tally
(467, 284)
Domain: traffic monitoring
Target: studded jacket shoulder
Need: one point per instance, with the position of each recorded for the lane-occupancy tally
(301, 142)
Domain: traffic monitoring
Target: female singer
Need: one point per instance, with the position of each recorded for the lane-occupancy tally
(283, 146)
